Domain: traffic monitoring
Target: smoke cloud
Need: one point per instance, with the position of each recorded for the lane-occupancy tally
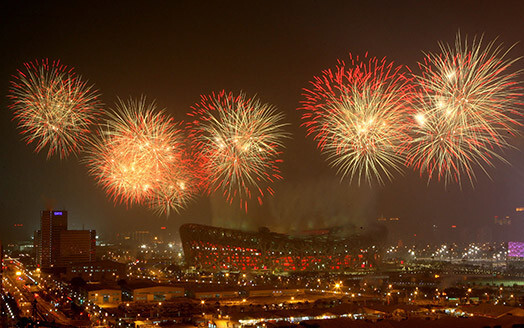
(317, 203)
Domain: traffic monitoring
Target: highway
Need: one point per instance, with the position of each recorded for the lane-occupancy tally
(27, 292)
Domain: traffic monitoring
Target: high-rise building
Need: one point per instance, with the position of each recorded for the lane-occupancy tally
(77, 246)
(396, 231)
(52, 224)
(55, 246)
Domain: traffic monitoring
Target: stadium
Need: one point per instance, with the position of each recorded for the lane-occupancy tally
(210, 248)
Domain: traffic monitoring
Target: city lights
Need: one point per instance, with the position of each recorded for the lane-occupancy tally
(307, 164)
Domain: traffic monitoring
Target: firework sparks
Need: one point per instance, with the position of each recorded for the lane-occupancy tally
(356, 113)
(139, 158)
(465, 110)
(174, 191)
(53, 107)
(239, 141)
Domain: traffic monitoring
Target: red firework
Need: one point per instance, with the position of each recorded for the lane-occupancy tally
(140, 158)
(238, 142)
(467, 107)
(53, 107)
(357, 115)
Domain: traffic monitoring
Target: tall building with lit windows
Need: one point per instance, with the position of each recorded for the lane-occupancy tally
(56, 246)
(52, 223)
(77, 246)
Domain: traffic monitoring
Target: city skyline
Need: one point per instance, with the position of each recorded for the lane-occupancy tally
(176, 53)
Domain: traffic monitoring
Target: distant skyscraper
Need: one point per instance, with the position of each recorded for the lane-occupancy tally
(52, 224)
(55, 246)
(396, 230)
(77, 246)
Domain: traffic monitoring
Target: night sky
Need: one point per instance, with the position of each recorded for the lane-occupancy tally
(174, 51)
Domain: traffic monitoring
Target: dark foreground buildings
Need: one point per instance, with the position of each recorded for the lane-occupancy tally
(217, 249)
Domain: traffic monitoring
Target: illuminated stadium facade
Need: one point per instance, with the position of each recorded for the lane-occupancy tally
(217, 249)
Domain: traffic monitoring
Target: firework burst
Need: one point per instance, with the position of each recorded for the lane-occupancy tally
(356, 114)
(53, 107)
(238, 141)
(175, 191)
(465, 110)
(139, 158)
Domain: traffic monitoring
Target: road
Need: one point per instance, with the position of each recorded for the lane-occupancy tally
(20, 283)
